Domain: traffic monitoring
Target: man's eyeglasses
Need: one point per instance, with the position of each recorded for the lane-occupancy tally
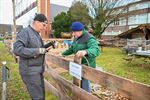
(44, 24)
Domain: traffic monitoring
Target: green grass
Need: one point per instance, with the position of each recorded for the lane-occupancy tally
(16, 89)
(111, 60)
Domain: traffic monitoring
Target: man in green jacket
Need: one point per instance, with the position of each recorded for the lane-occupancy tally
(84, 46)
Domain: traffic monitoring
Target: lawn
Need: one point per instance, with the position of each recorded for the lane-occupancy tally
(111, 60)
(15, 88)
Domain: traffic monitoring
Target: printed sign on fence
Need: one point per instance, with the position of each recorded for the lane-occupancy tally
(75, 70)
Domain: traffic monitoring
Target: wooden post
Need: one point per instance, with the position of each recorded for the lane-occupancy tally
(75, 80)
(14, 19)
(44, 8)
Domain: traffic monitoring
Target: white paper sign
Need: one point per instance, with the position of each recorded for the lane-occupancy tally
(75, 70)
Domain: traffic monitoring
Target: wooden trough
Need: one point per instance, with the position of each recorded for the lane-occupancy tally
(127, 88)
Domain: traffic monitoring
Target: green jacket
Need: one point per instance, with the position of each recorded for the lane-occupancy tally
(85, 42)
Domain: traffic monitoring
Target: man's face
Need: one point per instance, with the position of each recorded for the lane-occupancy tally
(41, 26)
(77, 34)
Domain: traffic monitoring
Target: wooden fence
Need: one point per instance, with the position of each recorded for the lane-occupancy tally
(66, 90)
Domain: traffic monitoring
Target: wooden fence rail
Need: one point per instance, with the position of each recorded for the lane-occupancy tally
(128, 88)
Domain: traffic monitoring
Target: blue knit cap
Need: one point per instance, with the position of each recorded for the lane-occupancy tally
(77, 26)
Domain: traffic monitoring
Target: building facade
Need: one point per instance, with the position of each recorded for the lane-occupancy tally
(137, 12)
(26, 9)
(57, 9)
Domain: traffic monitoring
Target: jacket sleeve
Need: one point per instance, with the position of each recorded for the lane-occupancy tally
(92, 47)
(21, 46)
(68, 52)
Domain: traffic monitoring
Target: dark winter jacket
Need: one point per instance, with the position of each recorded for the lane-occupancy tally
(27, 45)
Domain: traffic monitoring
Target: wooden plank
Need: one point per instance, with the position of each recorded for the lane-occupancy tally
(60, 70)
(128, 88)
(9, 40)
(55, 39)
(57, 69)
(55, 85)
(75, 80)
(67, 87)
(145, 30)
(59, 61)
(53, 90)
(51, 39)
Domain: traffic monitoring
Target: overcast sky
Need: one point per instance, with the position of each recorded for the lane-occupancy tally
(62, 2)
(6, 9)
(6, 12)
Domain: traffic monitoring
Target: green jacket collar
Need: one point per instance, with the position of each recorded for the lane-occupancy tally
(83, 33)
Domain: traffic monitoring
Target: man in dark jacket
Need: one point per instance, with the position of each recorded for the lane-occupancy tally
(30, 49)
(84, 45)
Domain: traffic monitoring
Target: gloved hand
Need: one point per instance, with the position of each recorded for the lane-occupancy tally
(51, 43)
(81, 53)
(42, 50)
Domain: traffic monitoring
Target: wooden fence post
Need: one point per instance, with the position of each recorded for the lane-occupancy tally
(75, 80)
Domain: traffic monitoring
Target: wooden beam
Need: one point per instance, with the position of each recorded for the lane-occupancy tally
(52, 89)
(55, 39)
(128, 88)
(59, 61)
(145, 31)
(45, 40)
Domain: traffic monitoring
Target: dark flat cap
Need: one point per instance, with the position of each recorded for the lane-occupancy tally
(40, 17)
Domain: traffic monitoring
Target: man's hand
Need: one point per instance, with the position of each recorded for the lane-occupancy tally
(81, 53)
(42, 50)
(51, 43)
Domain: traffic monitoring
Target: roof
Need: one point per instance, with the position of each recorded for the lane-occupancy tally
(141, 28)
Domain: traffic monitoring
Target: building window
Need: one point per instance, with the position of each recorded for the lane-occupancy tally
(133, 7)
(142, 18)
(116, 23)
(122, 21)
(132, 20)
(115, 33)
(138, 6)
(148, 17)
(138, 19)
(143, 5)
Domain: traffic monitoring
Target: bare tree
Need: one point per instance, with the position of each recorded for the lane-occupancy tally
(105, 12)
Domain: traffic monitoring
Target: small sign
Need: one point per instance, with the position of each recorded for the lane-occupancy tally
(75, 70)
